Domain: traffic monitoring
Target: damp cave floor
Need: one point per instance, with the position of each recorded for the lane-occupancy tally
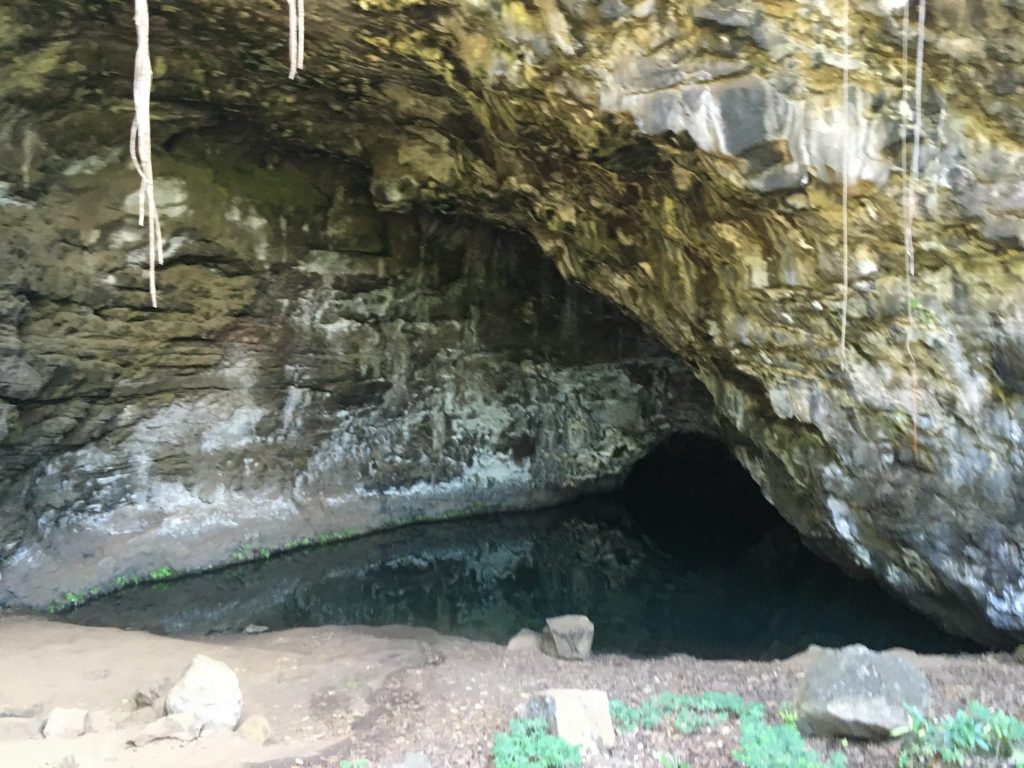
(332, 693)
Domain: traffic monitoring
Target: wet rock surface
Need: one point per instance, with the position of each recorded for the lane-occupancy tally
(316, 370)
(680, 158)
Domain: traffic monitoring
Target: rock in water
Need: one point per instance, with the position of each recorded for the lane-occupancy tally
(65, 723)
(859, 693)
(209, 689)
(582, 718)
(568, 637)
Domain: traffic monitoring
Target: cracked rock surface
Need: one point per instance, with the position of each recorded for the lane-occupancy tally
(680, 158)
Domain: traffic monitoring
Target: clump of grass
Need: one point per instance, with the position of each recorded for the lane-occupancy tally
(768, 745)
(686, 713)
(528, 744)
(953, 739)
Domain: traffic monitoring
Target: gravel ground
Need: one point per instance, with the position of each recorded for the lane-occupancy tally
(450, 708)
(344, 693)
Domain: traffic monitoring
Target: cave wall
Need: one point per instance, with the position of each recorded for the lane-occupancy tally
(680, 157)
(316, 369)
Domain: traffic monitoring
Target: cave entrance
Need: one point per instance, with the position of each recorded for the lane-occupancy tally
(692, 497)
(687, 558)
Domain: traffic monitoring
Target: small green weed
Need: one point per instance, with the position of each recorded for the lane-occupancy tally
(668, 761)
(161, 573)
(360, 762)
(788, 714)
(686, 714)
(953, 739)
(921, 313)
(763, 745)
(528, 744)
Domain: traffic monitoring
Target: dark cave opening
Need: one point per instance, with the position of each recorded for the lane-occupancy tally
(691, 495)
(687, 558)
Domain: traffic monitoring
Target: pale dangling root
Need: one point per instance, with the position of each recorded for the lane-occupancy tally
(140, 143)
(296, 36)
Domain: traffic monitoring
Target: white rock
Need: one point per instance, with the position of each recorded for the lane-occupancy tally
(524, 640)
(63, 723)
(209, 690)
(581, 717)
(413, 760)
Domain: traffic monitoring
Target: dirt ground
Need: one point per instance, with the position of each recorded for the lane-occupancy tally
(333, 693)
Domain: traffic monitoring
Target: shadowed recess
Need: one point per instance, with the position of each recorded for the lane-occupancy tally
(689, 558)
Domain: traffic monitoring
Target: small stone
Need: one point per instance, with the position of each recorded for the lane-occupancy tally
(256, 729)
(855, 692)
(568, 637)
(209, 689)
(19, 728)
(183, 726)
(255, 629)
(20, 710)
(99, 721)
(64, 723)
(142, 716)
(581, 717)
(146, 697)
(525, 640)
(413, 760)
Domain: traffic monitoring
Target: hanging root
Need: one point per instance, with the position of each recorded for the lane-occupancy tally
(140, 144)
(296, 36)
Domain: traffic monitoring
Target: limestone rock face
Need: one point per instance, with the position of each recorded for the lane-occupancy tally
(859, 693)
(316, 370)
(209, 690)
(680, 157)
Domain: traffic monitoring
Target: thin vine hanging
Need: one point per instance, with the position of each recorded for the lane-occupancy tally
(140, 142)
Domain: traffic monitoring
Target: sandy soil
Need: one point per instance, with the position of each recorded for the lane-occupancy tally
(332, 693)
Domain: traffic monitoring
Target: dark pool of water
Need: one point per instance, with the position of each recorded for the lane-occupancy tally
(486, 577)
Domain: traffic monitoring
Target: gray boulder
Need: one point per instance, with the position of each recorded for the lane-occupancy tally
(209, 690)
(568, 637)
(859, 693)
